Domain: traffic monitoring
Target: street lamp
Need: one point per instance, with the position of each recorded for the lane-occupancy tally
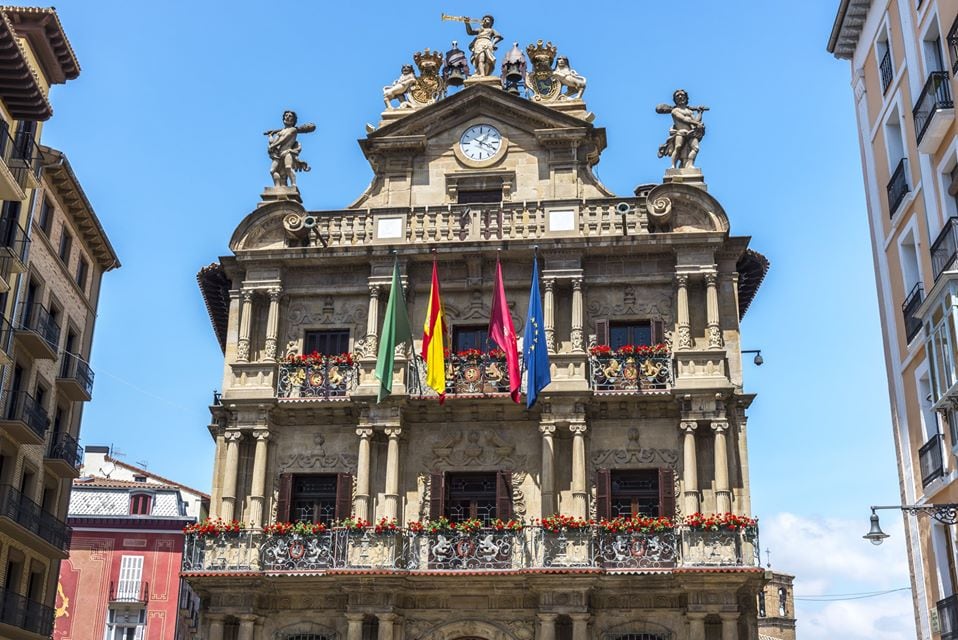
(944, 513)
(758, 356)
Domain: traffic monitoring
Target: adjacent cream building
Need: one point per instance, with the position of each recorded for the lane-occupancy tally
(904, 57)
(53, 253)
(662, 434)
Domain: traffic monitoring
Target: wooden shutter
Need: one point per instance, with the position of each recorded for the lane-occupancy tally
(437, 495)
(666, 492)
(344, 495)
(603, 493)
(504, 495)
(658, 334)
(602, 332)
(285, 497)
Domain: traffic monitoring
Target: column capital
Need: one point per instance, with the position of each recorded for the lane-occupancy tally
(246, 294)
(577, 283)
(248, 617)
(353, 616)
(688, 426)
(682, 279)
(711, 278)
(393, 432)
(275, 293)
(696, 615)
(547, 429)
(364, 432)
(720, 426)
(375, 289)
(730, 616)
(580, 616)
(233, 436)
(261, 436)
(547, 617)
(215, 617)
(548, 284)
(387, 616)
(578, 427)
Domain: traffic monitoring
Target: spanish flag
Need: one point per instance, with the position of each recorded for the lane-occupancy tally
(433, 347)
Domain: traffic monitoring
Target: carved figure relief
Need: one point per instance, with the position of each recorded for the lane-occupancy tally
(476, 448)
(656, 305)
(330, 311)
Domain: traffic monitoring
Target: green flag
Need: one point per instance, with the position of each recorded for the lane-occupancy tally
(395, 331)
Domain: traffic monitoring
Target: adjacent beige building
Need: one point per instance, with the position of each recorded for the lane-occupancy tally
(904, 57)
(647, 434)
(53, 253)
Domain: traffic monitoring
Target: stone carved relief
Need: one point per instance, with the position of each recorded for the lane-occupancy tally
(329, 311)
(654, 305)
(468, 629)
(640, 627)
(477, 309)
(318, 460)
(518, 497)
(682, 207)
(476, 448)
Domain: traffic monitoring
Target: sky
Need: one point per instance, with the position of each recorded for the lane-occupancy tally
(164, 130)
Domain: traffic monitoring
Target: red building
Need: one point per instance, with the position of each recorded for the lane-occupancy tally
(121, 580)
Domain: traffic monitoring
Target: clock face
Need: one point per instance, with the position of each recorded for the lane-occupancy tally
(480, 142)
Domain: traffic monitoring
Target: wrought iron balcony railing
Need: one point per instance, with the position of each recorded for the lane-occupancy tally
(36, 318)
(14, 239)
(930, 460)
(484, 550)
(326, 379)
(948, 617)
(21, 155)
(132, 592)
(481, 374)
(73, 368)
(31, 516)
(21, 407)
(953, 45)
(944, 249)
(23, 613)
(65, 447)
(908, 308)
(887, 72)
(935, 95)
(630, 373)
(897, 187)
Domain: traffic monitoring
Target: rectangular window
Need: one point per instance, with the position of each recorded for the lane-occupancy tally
(314, 498)
(623, 333)
(46, 216)
(83, 267)
(471, 495)
(478, 197)
(66, 244)
(140, 504)
(125, 624)
(128, 582)
(635, 493)
(328, 342)
(470, 337)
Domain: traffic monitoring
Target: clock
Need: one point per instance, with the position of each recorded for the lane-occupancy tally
(480, 142)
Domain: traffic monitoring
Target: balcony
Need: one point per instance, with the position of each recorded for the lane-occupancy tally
(38, 333)
(934, 111)
(953, 46)
(468, 374)
(897, 187)
(23, 613)
(20, 166)
(22, 418)
(619, 373)
(129, 592)
(14, 244)
(930, 460)
(533, 547)
(944, 250)
(326, 379)
(64, 455)
(75, 378)
(6, 341)
(16, 507)
(887, 72)
(908, 308)
(948, 617)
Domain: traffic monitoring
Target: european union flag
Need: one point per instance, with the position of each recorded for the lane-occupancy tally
(534, 349)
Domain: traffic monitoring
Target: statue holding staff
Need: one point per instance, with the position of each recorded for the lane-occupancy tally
(284, 149)
(682, 145)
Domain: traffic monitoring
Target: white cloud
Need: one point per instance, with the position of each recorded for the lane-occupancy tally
(828, 556)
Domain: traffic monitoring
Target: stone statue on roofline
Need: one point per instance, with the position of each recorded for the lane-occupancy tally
(284, 149)
(399, 90)
(682, 145)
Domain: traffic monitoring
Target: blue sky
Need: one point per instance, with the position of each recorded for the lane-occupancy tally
(164, 128)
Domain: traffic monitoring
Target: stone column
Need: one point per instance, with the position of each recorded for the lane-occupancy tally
(712, 311)
(547, 479)
(696, 624)
(246, 310)
(729, 625)
(580, 507)
(548, 313)
(217, 493)
(391, 506)
(216, 626)
(684, 336)
(228, 503)
(362, 474)
(547, 626)
(689, 470)
(578, 346)
(272, 322)
(580, 626)
(386, 623)
(258, 488)
(372, 321)
(354, 623)
(246, 627)
(723, 497)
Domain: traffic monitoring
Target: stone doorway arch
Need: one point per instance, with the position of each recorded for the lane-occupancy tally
(466, 630)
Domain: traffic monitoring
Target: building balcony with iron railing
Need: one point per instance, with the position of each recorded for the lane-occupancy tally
(897, 187)
(948, 617)
(38, 331)
(14, 246)
(930, 460)
(589, 549)
(23, 613)
(934, 111)
(24, 519)
(908, 309)
(129, 592)
(21, 163)
(23, 418)
(6, 341)
(886, 69)
(75, 378)
(64, 455)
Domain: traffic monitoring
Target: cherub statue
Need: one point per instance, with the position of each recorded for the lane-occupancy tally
(568, 78)
(483, 46)
(284, 148)
(399, 89)
(687, 129)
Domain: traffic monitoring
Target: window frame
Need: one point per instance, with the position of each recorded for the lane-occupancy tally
(82, 273)
(45, 221)
(66, 244)
(315, 336)
(140, 500)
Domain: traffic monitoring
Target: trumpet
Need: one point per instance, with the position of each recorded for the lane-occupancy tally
(465, 19)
